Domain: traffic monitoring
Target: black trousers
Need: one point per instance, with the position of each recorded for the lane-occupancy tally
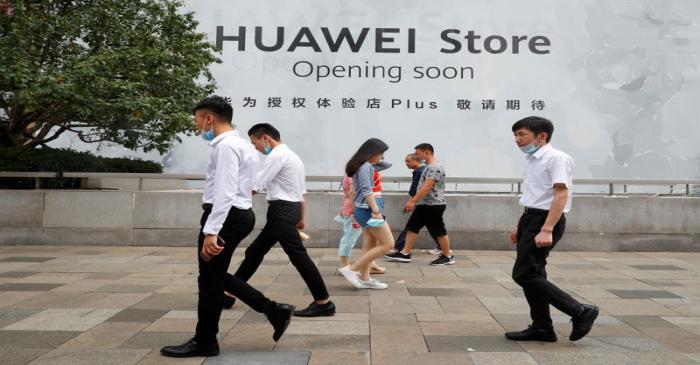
(401, 241)
(529, 271)
(213, 278)
(282, 219)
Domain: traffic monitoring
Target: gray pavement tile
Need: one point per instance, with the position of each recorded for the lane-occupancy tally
(28, 286)
(643, 294)
(61, 319)
(682, 344)
(38, 339)
(352, 343)
(440, 292)
(577, 358)
(138, 315)
(26, 259)
(622, 344)
(661, 282)
(499, 358)
(471, 343)
(657, 267)
(11, 315)
(253, 317)
(335, 263)
(90, 357)
(661, 358)
(339, 358)
(128, 288)
(393, 357)
(20, 356)
(17, 274)
(646, 321)
(169, 301)
(107, 275)
(90, 252)
(262, 357)
(155, 340)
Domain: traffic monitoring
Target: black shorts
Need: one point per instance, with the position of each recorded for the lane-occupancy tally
(429, 216)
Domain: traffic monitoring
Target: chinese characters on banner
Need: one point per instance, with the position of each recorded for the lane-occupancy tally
(377, 103)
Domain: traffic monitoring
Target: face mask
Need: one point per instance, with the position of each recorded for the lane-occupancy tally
(374, 222)
(531, 148)
(267, 149)
(208, 135)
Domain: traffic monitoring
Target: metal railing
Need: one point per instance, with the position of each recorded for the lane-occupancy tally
(676, 186)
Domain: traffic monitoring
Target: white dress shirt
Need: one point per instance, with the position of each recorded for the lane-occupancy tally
(230, 175)
(543, 169)
(282, 176)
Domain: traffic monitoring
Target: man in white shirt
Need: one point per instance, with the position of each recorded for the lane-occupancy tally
(227, 219)
(282, 177)
(547, 185)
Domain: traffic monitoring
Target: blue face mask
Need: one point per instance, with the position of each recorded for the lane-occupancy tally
(208, 135)
(530, 149)
(267, 149)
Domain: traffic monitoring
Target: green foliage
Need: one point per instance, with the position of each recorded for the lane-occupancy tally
(125, 71)
(64, 160)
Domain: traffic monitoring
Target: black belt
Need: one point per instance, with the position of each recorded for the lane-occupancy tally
(283, 202)
(208, 206)
(534, 211)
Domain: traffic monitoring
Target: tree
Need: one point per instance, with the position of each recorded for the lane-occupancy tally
(124, 71)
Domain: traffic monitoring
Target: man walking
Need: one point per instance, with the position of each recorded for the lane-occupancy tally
(283, 177)
(546, 198)
(428, 207)
(227, 220)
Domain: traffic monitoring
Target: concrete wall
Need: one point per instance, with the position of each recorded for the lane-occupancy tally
(171, 218)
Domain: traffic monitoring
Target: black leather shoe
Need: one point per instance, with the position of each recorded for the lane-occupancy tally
(229, 302)
(583, 323)
(191, 348)
(317, 310)
(531, 334)
(279, 317)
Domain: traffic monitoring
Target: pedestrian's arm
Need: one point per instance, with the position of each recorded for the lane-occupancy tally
(420, 194)
(561, 195)
(270, 169)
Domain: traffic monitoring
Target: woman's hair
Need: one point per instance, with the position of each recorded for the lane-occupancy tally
(371, 147)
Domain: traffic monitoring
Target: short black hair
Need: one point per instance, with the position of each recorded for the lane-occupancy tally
(264, 128)
(218, 105)
(535, 125)
(426, 147)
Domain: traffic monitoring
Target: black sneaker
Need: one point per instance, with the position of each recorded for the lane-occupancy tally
(583, 323)
(443, 260)
(229, 302)
(398, 257)
(531, 334)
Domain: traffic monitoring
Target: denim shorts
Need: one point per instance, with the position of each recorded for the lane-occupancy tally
(362, 215)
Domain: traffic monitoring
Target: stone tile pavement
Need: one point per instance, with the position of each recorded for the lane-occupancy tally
(119, 305)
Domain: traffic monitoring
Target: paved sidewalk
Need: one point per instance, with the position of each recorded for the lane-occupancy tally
(119, 305)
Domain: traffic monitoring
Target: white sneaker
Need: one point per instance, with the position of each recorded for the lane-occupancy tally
(435, 251)
(353, 277)
(372, 283)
